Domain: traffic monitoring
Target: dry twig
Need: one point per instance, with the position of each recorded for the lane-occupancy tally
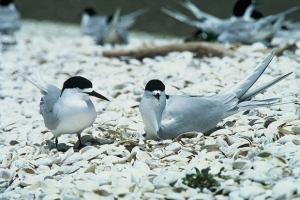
(201, 48)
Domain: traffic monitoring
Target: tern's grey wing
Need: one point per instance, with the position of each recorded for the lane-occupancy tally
(9, 20)
(237, 31)
(46, 106)
(185, 114)
(129, 19)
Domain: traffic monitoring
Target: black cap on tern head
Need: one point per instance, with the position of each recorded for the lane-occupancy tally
(155, 84)
(240, 7)
(90, 11)
(81, 83)
(5, 2)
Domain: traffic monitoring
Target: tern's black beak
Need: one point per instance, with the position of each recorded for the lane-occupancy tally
(157, 95)
(96, 94)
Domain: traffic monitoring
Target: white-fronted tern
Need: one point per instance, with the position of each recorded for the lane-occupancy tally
(243, 29)
(167, 116)
(70, 110)
(9, 20)
(108, 28)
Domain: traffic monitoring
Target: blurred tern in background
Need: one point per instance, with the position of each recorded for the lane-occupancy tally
(70, 110)
(9, 21)
(167, 116)
(108, 28)
(240, 28)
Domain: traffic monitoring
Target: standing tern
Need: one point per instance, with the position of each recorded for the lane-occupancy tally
(108, 28)
(167, 116)
(70, 110)
(9, 19)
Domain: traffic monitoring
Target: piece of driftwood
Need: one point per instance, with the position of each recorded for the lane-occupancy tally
(280, 49)
(201, 48)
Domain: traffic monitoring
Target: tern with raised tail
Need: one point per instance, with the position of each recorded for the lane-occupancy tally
(168, 116)
(108, 28)
(68, 110)
(246, 27)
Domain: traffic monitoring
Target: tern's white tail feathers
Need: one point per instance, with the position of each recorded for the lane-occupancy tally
(288, 11)
(252, 92)
(245, 84)
(39, 83)
(199, 13)
(183, 18)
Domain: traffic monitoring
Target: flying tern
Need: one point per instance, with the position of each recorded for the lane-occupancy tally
(69, 110)
(9, 20)
(108, 28)
(167, 116)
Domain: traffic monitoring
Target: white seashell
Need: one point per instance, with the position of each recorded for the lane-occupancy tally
(146, 186)
(229, 188)
(256, 176)
(52, 196)
(296, 130)
(68, 154)
(173, 147)
(110, 159)
(91, 153)
(241, 164)
(148, 195)
(262, 166)
(201, 196)
(288, 138)
(50, 186)
(95, 195)
(141, 155)
(164, 180)
(249, 192)
(120, 191)
(69, 169)
(7, 121)
(86, 185)
(221, 132)
(43, 161)
(153, 163)
(73, 159)
(5, 175)
(284, 189)
(241, 129)
(115, 151)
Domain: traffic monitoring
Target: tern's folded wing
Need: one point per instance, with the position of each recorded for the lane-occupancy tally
(185, 114)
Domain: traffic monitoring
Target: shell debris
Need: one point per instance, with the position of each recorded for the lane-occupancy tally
(258, 151)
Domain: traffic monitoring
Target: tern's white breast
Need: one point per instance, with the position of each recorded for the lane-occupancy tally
(74, 114)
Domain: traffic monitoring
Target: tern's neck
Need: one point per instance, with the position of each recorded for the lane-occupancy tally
(151, 110)
(248, 12)
(73, 94)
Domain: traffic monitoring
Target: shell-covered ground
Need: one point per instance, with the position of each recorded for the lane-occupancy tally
(255, 154)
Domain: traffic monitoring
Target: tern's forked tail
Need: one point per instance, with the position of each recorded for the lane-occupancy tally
(39, 83)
